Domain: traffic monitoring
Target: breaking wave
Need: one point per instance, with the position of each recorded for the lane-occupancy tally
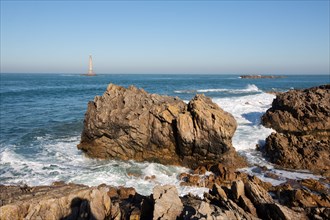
(250, 88)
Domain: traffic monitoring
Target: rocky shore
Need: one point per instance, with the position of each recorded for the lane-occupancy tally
(301, 119)
(232, 195)
(132, 124)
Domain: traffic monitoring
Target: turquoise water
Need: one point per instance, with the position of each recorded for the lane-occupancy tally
(42, 117)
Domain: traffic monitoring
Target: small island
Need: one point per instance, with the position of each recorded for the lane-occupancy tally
(260, 77)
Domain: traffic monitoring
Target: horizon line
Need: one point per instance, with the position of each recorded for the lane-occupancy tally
(169, 73)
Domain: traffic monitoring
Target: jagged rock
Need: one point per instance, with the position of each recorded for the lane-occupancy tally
(167, 203)
(299, 152)
(212, 207)
(244, 199)
(238, 189)
(314, 185)
(318, 213)
(132, 124)
(55, 202)
(219, 192)
(300, 111)
(246, 204)
(225, 208)
(257, 194)
(220, 174)
(303, 198)
(302, 120)
(276, 211)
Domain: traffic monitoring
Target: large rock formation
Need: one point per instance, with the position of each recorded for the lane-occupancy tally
(132, 124)
(302, 120)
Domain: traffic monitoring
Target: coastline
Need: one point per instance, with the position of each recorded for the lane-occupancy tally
(232, 195)
(207, 180)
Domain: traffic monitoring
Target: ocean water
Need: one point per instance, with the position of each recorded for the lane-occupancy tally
(41, 119)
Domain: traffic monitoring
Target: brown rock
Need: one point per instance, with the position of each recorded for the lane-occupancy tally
(225, 174)
(222, 207)
(132, 124)
(219, 192)
(300, 111)
(167, 202)
(299, 152)
(200, 170)
(276, 211)
(314, 185)
(303, 198)
(318, 213)
(246, 204)
(220, 174)
(257, 194)
(125, 192)
(55, 202)
(152, 177)
(302, 120)
(238, 189)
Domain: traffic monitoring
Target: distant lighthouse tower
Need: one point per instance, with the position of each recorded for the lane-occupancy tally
(90, 69)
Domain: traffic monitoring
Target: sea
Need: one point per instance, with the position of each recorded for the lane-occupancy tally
(41, 120)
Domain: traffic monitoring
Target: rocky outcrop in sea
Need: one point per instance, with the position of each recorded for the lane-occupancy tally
(302, 121)
(260, 77)
(133, 124)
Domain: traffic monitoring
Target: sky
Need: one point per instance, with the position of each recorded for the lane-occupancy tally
(213, 37)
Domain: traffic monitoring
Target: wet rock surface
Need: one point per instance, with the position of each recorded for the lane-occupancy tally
(133, 124)
(302, 121)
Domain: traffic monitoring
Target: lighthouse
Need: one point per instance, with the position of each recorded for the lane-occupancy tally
(90, 67)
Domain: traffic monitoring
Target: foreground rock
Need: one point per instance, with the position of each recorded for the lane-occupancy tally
(167, 202)
(302, 120)
(54, 202)
(132, 124)
(245, 197)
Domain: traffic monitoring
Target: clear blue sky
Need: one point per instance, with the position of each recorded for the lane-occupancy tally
(274, 37)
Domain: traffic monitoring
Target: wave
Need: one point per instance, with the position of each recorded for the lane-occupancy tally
(60, 160)
(247, 111)
(250, 88)
(283, 175)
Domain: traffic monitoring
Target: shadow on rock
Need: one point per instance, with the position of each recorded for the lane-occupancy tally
(80, 209)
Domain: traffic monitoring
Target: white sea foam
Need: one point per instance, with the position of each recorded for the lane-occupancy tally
(282, 175)
(248, 89)
(247, 111)
(60, 160)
